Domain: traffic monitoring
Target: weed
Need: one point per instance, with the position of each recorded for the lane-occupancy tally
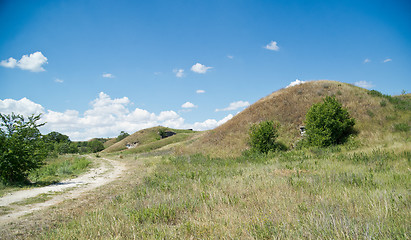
(401, 127)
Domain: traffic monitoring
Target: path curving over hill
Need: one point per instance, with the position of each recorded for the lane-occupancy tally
(107, 171)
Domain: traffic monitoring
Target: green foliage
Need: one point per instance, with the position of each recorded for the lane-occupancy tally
(122, 135)
(95, 146)
(162, 132)
(328, 123)
(399, 102)
(59, 168)
(401, 127)
(263, 137)
(56, 137)
(22, 148)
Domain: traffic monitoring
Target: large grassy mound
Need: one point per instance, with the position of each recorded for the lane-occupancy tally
(149, 139)
(377, 116)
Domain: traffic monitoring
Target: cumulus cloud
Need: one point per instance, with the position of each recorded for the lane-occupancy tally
(58, 80)
(367, 60)
(364, 84)
(272, 46)
(107, 75)
(33, 62)
(23, 106)
(294, 83)
(200, 68)
(106, 117)
(387, 60)
(188, 105)
(210, 123)
(234, 106)
(179, 72)
(200, 91)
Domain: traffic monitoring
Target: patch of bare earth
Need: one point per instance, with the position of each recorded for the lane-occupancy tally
(20, 218)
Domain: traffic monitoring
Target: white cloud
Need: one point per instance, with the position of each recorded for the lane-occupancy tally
(188, 105)
(179, 72)
(23, 106)
(388, 60)
(296, 82)
(367, 60)
(210, 123)
(32, 62)
(234, 106)
(364, 84)
(107, 75)
(230, 56)
(106, 117)
(200, 91)
(272, 46)
(200, 68)
(58, 80)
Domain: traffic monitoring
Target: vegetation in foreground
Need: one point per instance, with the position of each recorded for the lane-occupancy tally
(54, 169)
(325, 193)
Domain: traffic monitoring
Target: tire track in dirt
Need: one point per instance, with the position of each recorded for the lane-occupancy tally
(108, 171)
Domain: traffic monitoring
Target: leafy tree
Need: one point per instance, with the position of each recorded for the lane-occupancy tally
(22, 148)
(263, 137)
(54, 140)
(122, 136)
(328, 123)
(95, 146)
(56, 137)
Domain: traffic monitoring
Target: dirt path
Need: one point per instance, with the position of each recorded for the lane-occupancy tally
(108, 171)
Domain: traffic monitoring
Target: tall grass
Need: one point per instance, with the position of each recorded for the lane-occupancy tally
(319, 194)
(60, 168)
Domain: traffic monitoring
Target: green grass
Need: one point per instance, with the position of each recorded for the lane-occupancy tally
(5, 210)
(159, 144)
(314, 193)
(57, 169)
(54, 170)
(37, 199)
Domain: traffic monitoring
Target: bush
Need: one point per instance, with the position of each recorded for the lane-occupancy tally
(122, 136)
(95, 146)
(22, 148)
(328, 123)
(263, 137)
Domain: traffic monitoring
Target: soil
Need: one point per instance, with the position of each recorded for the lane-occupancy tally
(107, 171)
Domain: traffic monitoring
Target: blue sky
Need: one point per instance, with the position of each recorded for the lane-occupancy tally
(94, 68)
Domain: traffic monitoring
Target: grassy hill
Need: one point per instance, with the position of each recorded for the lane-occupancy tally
(358, 191)
(377, 117)
(149, 139)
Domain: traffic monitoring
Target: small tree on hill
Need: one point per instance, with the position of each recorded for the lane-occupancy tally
(22, 148)
(328, 123)
(263, 137)
(122, 135)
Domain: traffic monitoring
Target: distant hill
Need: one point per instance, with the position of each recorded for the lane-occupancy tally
(377, 116)
(149, 139)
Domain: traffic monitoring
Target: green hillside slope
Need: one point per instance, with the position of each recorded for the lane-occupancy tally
(378, 117)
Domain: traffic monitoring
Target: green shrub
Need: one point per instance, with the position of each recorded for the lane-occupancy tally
(22, 148)
(401, 127)
(375, 93)
(328, 123)
(263, 137)
(122, 136)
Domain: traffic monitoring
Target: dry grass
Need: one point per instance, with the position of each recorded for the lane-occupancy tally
(317, 194)
(145, 137)
(289, 106)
